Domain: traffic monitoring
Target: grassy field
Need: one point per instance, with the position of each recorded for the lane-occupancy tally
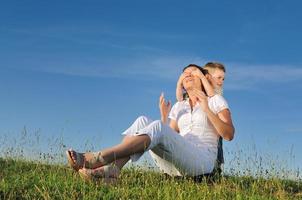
(20, 179)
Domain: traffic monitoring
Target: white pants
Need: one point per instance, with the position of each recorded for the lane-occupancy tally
(171, 152)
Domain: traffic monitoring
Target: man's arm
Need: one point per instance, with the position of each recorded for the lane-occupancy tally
(206, 84)
(222, 122)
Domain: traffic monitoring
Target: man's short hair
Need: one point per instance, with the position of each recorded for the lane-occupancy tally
(211, 66)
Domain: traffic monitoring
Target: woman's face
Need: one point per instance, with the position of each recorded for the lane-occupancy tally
(191, 81)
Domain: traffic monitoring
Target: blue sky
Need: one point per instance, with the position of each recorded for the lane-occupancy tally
(84, 70)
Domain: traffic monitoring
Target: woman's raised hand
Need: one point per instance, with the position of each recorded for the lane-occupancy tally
(164, 108)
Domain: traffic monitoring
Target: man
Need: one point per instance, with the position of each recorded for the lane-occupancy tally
(216, 76)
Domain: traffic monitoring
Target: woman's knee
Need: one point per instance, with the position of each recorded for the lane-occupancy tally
(156, 125)
(126, 137)
(143, 119)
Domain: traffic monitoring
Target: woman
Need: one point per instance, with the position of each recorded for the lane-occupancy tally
(215, 75)
(189, 142)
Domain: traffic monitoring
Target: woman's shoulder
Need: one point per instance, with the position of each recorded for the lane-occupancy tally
(180, 103)
(176, 109)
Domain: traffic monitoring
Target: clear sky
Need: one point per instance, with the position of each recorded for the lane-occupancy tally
(84, 70)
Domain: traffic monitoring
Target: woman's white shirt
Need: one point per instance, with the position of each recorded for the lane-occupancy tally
(194, 125)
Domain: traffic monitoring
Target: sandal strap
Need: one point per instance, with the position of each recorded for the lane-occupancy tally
(76, 163)
(79, 161)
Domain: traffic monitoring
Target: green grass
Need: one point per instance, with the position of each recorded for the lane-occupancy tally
(20, 179)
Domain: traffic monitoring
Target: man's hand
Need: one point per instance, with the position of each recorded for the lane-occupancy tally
(198, 73)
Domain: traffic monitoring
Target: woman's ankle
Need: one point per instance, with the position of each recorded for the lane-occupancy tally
(93, 160)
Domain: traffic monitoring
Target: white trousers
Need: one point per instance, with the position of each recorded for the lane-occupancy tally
(172, 153)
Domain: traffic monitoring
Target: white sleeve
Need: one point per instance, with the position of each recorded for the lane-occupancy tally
(217, 103)
(174, 112)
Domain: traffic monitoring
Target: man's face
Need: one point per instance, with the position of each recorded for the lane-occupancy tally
(217, 78)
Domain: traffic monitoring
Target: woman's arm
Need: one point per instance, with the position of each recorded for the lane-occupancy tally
(164, 111)
(173, 125)
(179, 94)
(222, 122)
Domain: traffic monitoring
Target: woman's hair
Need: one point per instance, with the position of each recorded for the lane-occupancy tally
(204, 71)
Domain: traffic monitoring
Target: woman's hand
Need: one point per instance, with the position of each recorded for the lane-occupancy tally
(202, 99)
(164, 108)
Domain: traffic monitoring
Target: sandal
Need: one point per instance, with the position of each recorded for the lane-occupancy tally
(107, 174)
(80, 162)
(76, 164)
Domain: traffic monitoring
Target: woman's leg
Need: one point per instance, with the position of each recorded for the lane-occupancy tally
(118, 156)
(95, 159)
(132, 146)
(108, 173)
(129, 146)
(120, 163)
(177, 156)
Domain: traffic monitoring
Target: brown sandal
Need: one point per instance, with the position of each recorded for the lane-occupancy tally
(76, 163)
(80, 162)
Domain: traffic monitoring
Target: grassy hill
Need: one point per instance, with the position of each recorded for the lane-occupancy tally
(34, 180)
